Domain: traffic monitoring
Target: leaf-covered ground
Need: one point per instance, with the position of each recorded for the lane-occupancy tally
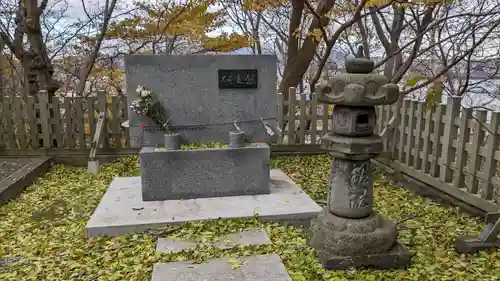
(41, 233)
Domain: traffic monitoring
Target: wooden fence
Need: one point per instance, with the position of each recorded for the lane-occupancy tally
(51, 125)
(453, 149)
(450, 148)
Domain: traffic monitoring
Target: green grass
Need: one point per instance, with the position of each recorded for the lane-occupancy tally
(44, 230)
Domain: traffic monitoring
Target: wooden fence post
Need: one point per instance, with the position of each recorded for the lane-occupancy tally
(463, 138)
(402, 126)
(102, 107)
(302, 120)
(436, 140)
(314, 117)
(291, 115)
(43, 99)
(417, 160)
(79, 123)
(124, 110)
(409, 139)
(490, 163)
(31, 115)
(281, 122)
(324, 118)
(57, 126)
(429, 112)
(450, 133)
(19, 121)
(68, 114)
(397, 117)
(7, 120)
(91, 116)
(477, 139)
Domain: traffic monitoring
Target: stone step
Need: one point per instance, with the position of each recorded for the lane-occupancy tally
(252, 268)
(247, 237)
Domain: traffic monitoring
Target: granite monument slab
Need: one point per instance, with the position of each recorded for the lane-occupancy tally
(205, 96)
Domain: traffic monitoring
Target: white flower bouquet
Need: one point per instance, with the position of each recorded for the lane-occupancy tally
(141, 105)
(145, 105)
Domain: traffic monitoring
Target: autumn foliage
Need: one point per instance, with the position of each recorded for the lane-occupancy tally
(155, 25)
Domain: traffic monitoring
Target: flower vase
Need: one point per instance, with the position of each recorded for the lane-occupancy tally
(172, 141)
(236, 139)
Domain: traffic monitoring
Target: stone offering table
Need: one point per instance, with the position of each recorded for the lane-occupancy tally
(187, 174)
(348, 233)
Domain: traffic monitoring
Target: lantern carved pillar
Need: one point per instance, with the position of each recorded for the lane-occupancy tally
(348, 233)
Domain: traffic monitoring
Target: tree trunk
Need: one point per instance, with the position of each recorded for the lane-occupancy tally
(298, 60)
(89, 61)
(40, 69)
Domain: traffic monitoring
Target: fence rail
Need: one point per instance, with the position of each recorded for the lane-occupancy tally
(451, 148)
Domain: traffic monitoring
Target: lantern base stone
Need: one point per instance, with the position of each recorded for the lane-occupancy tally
(396, 257)
(366, 242)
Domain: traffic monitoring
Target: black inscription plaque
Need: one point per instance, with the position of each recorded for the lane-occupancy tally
(237, 78)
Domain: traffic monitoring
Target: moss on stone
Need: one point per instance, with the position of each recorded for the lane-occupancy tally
(199, 145)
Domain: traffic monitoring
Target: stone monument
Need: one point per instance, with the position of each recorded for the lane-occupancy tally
(222, 98)
(348, 233)
(205, 97)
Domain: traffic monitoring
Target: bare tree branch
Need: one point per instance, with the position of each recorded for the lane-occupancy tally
(456, 60)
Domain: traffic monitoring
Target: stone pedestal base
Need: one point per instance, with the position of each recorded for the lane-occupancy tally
(366, 242)
(470, 245)
(204, 172)
(396, 257)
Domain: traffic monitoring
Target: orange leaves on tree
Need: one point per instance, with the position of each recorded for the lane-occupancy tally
(373, 3)
(225, 43)
(317, 34)
(190, 20)
(262, 5)
(111, 73)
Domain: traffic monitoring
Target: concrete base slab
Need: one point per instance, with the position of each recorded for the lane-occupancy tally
(247, 237)
(253, 268)
(122, 210)
(18, 173)
(471, 245)
(93, 167)
(396, 257)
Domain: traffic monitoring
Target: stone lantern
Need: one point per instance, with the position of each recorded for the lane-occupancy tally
(348, 233)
